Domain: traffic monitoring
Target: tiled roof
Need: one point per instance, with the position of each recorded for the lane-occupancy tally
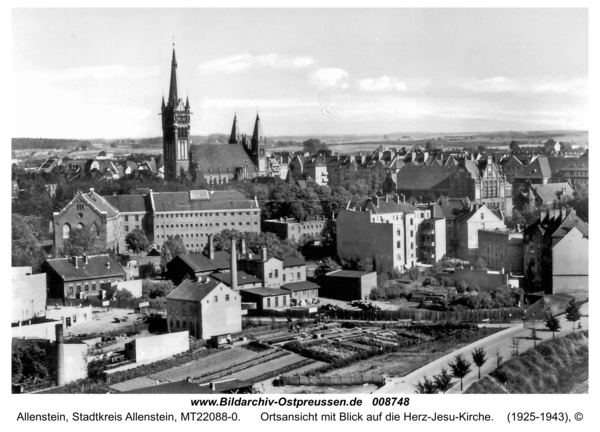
(265, 292)
(95, 268)
(348, 274)
(383, 207)
(130, 203)
(299, 286)
(221, 156)
(423, 177)
(218, 200)
(201, 263)
(293, 262)
(101, 204)
(452, 207)
(193, 290)
(551, 191)
(242, 278)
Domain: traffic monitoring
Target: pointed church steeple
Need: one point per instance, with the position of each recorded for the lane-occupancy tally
(233, 139)
(173, 87)
(187, 103)
(163, 102)
(258, 133)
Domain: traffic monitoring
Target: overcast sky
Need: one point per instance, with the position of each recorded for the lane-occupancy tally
(90, 73)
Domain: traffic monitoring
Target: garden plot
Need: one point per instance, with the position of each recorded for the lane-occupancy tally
(265, 368)
(214, 363)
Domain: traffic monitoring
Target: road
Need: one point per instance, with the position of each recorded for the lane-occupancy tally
(501, 342)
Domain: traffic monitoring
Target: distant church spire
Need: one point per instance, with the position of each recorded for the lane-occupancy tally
(257, 130)
(233, 139)
(173, 87)
(187, 103)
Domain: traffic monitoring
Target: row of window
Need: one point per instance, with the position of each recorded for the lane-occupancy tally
(137, 227)
(283, 303)
(137, 218)
(86, 286)
(202, 225)
(168, 215)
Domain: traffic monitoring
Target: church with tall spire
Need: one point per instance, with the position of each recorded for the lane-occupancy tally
(243, 158)
(176, 129)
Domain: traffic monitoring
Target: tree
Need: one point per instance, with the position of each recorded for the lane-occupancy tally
(480, 264)
(573, 312)
(32, 363)
(326, 266)
(552, 323)
(413, 273)
(460, 368)
(479, 358)
(176, 245)
(26, 249)
(165, 257)
(312, 146)
(137, 241)
(514, 146)
(443, 380)
(426, 387)
(84, 241)
(123, 294)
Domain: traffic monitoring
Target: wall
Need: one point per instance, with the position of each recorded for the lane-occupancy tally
(28, 295)
(75, 361)
(222, 317)
(82, 315)
(291, 274)
(358, 238)
(155, 348)
(348, 288)
(133, 286)
(570, 264)
(42, 331)
(194, 226)
(273, 271)
(479, 277)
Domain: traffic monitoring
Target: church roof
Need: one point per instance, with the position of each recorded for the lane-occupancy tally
(257, 129)
(216, 157)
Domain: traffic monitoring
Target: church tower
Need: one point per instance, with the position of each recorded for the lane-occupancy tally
(176, 129)
(259, 147)
(235, 134)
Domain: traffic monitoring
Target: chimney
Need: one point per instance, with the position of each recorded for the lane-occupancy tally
(85, 259)
(264, 254)
(60, 356)
(255, 201)
(387, 198)
(377, 201)
(74, 261)
(233, 265)
(211, 247)
(211, 386)
(243, 249)
(107, 264)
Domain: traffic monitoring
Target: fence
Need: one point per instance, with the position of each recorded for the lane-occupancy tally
(155, 305)
(334, 380)
(468, 315)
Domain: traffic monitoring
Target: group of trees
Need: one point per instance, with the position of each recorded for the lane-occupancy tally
(33, 362)
(460, 368)
(255, 242)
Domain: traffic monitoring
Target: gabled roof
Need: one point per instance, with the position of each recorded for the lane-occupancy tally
(217, 200)
(423, 177)
(380, 206)
(201, 263)
(299, 286)
(243, 278)
(468, 216)
(130, 203)
(348, 274)
(193, 290)
(214, 157)
(551, 191)
(293, 262)
(95, 268)
(265, 292)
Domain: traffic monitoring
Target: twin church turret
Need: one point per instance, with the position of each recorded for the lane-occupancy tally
(178, 155)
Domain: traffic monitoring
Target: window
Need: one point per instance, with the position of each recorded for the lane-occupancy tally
(74, 318)
(276, 301)
(137, 218)
(94, 286)
(126, 218)
(276, 273)
(66, 230)
(70, 289)
(482, 216)
(86, 287)
(78, 288)
(216, 299)
(268, 302)
(284, 300)
(298, 275)
(226, 297)
(398, 244)
(271, 274)
(126, 228)
(283, 277)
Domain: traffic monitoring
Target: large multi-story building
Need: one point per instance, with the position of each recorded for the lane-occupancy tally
(28, 299)
(502, 249)
(386, 231)
(293, 229)
(192, 215)
(556, 254)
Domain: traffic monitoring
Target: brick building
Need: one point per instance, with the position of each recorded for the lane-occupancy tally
(81, 277)
(293, 229)
(501, 249)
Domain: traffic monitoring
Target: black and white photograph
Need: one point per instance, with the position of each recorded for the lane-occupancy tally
(299, 202)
